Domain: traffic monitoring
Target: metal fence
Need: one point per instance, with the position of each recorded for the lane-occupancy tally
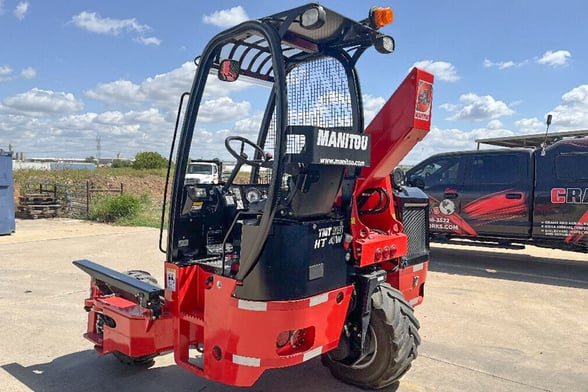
(74, 199)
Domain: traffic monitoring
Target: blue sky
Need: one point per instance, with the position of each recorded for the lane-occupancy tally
(72, 72)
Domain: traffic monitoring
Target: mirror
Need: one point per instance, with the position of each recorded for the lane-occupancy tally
(229, 70)
(398, 177)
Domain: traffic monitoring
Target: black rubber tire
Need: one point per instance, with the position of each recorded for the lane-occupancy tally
(146, 360)
(393, 339)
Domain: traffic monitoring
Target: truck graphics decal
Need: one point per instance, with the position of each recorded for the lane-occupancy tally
(569, 195)
(579, 231)
(442, 218)
(497, 207)
(487, 209)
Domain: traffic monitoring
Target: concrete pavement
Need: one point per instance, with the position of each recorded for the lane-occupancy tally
(492, 320)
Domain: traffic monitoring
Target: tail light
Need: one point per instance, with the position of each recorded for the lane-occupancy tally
(294, 341)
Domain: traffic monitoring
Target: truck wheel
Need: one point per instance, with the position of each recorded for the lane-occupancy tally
(391, 342)
(146, 360)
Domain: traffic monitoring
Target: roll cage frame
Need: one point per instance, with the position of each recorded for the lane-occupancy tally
(283, 44)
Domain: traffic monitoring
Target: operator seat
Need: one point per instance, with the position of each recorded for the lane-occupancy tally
(313, 187)
(313, 191)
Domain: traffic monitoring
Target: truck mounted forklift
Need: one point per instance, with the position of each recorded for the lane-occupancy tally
(325, 254)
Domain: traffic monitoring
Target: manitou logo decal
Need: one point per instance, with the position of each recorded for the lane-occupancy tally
(569, 195)
(424, 99)
(337, 139)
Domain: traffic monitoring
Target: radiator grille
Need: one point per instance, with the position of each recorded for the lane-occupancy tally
(417, 230)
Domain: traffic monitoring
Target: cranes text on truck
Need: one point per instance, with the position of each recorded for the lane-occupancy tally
(327, 258)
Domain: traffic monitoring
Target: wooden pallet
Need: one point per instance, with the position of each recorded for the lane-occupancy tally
(38, 205)
(36, 198)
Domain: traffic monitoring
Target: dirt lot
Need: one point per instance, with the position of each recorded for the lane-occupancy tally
(148, 184)
(493, 320)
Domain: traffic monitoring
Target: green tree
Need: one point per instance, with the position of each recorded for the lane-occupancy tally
(149, 160)
(117, 163)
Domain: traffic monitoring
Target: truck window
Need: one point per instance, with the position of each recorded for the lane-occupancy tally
(501, 169)
(199, 168)
(439, 172)
(572, 167)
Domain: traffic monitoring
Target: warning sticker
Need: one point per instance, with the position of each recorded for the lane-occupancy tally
(170, 279)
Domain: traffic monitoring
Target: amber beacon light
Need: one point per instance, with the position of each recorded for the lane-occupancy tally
(381, 16)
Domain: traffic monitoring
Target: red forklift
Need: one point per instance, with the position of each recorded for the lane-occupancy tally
(311, 247)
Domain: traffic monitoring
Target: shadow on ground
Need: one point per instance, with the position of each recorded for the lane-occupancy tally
(86, 371)
(509, 266)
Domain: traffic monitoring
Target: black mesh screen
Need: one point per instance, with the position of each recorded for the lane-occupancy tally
(318, 95)
(415, 227)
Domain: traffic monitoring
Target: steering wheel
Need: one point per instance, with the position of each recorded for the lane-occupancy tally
(241, 157)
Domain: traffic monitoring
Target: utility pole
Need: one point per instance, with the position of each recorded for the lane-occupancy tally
(98, 148)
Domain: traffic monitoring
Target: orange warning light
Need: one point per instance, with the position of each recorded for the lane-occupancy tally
(381, 16)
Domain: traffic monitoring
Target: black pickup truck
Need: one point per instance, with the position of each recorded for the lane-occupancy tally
(510, 195)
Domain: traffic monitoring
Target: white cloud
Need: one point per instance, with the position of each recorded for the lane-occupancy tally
(148, 41)
(150, 116)
(529, 125)
(165, 89)
(442, 70)
(475, 107)
(117, 91)
(555, 59)
(371, 107)
(216, 110)
(21, 10)
(570, 115)
(551, 58)
(1, 7)
(226, 18)
(92, 22)
(28, 73)
(168, 87)
(503, 64)
(495, 124)
(5, 73)
(445, 140)
(577, 96)
(248, 127)
(37, 101)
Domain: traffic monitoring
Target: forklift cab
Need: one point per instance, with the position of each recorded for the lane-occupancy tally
(304, 250)
(291, 154)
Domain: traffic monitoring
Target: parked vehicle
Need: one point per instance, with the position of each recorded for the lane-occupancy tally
(514, 195)
(202, 171)
(320, 257)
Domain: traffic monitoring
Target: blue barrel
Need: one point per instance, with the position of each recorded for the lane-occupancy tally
(7, 222)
